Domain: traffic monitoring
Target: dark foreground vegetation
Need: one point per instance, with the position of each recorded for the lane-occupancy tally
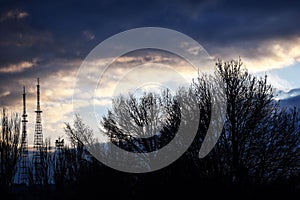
(257, 154)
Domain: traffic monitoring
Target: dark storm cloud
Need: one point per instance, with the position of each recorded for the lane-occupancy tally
(210, 21)
(60, 29)
(243, 24)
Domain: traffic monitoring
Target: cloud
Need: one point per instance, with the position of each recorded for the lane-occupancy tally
(133, 70)
(88, 35)
(102, 101)
(4, 94)
(278, 83)
(13, 14)
(19, 67)
(191, 48)
(264, 56)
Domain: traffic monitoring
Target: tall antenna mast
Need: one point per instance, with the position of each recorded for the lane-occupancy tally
(23, 174)
(38, 139)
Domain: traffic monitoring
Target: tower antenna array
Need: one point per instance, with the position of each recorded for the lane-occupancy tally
(23, 174)
(38, 138)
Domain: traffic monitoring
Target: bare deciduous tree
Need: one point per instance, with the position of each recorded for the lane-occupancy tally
(78, 157)
(142, 124)
(260, 140)
(9, 147)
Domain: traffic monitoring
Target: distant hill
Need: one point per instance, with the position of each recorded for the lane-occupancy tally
(291, 102)
(289, 99)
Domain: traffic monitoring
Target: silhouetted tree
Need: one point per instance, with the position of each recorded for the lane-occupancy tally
(9, 147)
(47, 161)
(60, 175)
(260, 141)
(142, 124)
(77, 157)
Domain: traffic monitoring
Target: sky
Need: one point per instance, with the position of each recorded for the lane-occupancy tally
(51, 39)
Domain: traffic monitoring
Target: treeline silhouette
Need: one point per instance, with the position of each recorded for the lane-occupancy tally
(257, 153)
